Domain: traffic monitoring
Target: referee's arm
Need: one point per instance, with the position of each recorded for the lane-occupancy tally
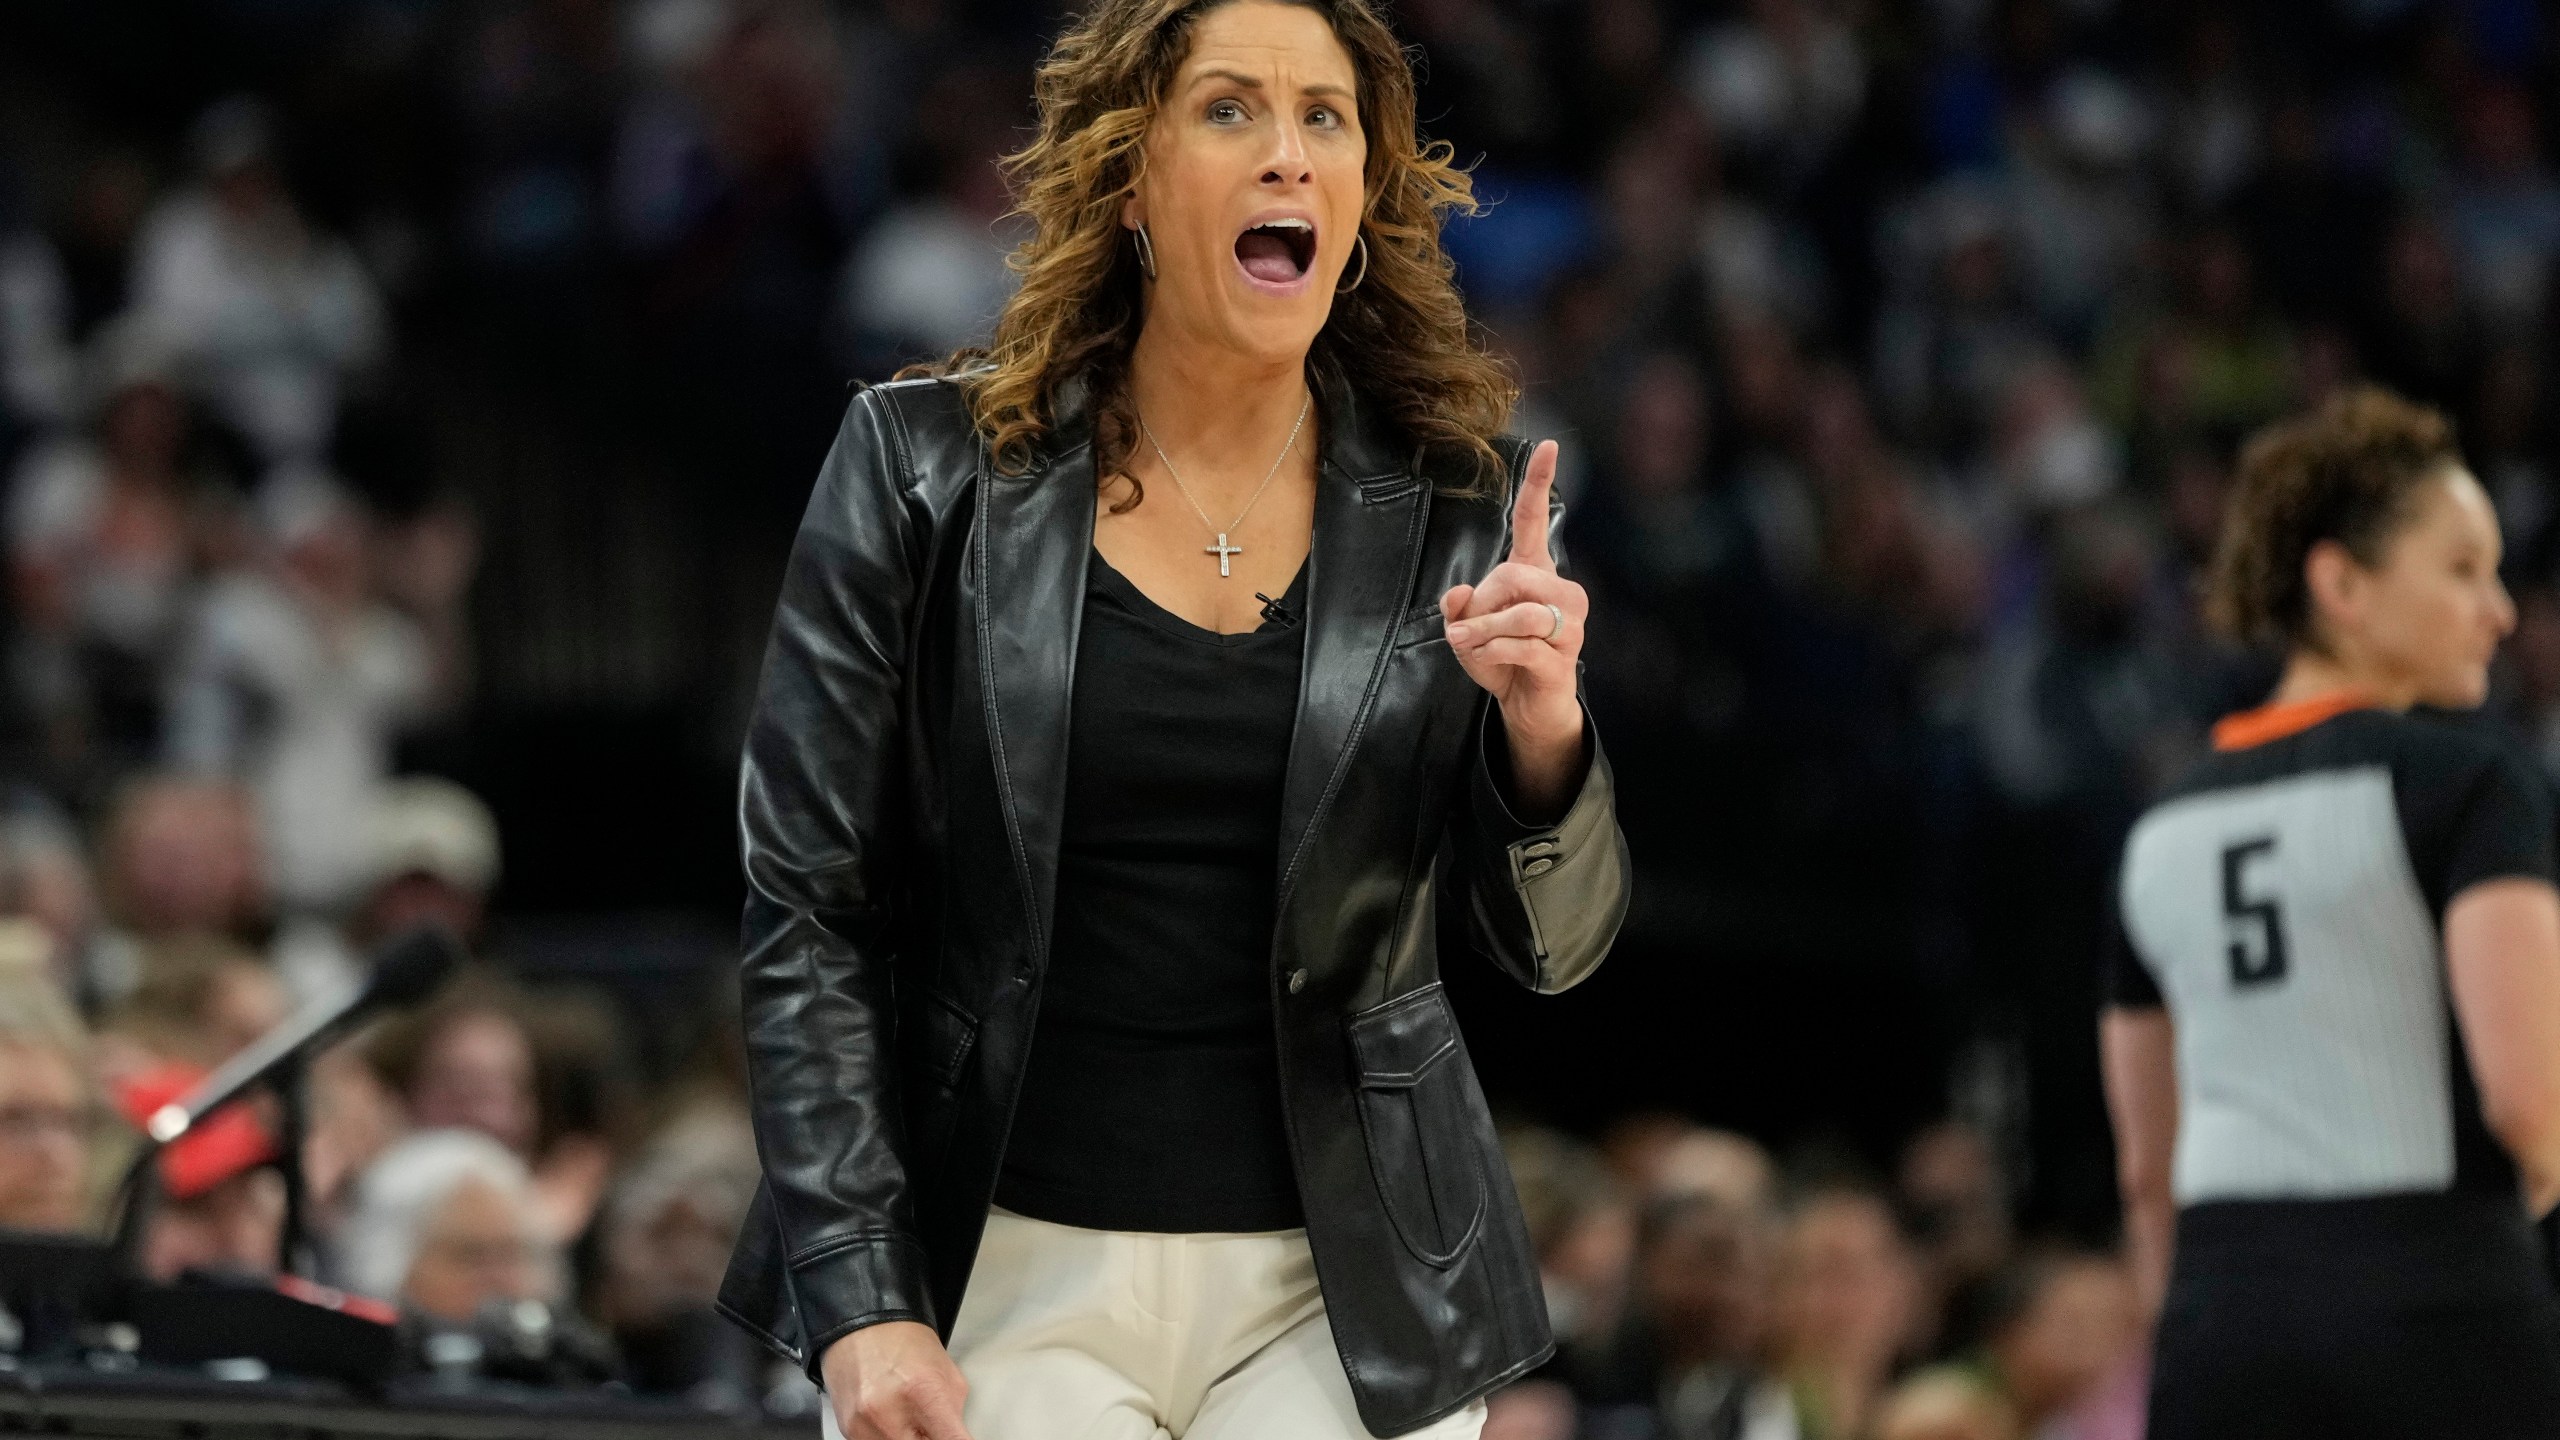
(2502, 962)
(2137, 1047)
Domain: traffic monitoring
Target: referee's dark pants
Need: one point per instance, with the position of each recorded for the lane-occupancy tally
(2369, 1319)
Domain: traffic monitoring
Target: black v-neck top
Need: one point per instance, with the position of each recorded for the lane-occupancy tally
(1152, 1097)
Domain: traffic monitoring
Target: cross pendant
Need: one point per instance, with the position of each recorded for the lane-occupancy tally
(1222, 550)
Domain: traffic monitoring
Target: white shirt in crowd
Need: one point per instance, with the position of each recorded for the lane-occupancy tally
(127, 595)
(306, 715)
(268, 315)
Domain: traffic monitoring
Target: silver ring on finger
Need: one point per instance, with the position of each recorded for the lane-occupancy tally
(1557, 628)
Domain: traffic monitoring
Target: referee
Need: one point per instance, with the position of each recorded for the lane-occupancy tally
(2332, 1046)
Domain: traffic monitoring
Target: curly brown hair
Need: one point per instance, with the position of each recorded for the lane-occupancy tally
(1400, 339)
(2346, 472)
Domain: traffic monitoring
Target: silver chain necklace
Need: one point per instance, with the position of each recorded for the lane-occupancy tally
(1224, 551)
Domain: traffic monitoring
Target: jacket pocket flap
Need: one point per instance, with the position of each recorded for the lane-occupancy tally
(1399, 1042)
(949, 1033)
(1422, 623)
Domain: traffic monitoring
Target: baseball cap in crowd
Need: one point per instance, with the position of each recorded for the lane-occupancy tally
(423, 825)
(228, 1143)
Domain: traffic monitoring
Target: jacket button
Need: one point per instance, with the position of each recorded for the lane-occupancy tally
(1539, 847)
(1539, 866)
(1297, 981)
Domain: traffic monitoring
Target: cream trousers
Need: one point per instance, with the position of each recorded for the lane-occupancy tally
(1070, 1334)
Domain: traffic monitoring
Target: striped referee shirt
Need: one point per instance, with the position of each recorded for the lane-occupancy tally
(2286, 902)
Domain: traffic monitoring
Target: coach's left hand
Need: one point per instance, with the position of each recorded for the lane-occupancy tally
(1518, 632)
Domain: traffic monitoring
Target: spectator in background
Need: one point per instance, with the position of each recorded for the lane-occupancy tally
(110, 197)
(1633, 1146)
(1532, 1410)
(582, 1090)
(1582, 1227)
(353, 1117)
(2048, 453)
(2213, 360)
(221, 1204)
(1732, 1170)
(468, 1062)
(1846, 1309)
(2070, 1323)
(2422, 337)
(1890, 556)
(537, 93)
(2080, 201)
(435, 856)
(1940, 1405)
(45, 884)
(106, 534)
(666, 1231)
(268, 316)
(48, 1112)
(2063, 1326)
(180, 859)
(2504, 208)
(1955, 1207)
(471, 1066)
(930, 275)
(444, 1223)
(432, 850)
(297, 681)
(737, 186)
(1675, 570)
(1947, 349)
(1649, 197)
(1785, 80)
(2509, 439)
(2079, 717)
(2211, 129)
(201, 1000)
(1688, 1363)
(38, 366)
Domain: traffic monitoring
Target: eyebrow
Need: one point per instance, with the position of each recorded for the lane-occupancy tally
(1244, 81)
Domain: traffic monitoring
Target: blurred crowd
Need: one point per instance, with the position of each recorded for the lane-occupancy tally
(1900, 349)
(237, 597)
(491, 1163)
(1700, 1290)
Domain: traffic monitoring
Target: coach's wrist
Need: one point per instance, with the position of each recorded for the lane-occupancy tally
(1546, 751)
(893, 1378)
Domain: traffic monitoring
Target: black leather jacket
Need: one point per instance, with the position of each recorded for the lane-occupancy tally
(900, 807)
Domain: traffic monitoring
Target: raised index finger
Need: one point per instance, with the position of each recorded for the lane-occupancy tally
(1529, 512)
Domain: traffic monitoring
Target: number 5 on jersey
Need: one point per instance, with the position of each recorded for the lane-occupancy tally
(2263, 964)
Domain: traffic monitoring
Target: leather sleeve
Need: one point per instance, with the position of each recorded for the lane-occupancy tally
(1544, 901)
(820, 809)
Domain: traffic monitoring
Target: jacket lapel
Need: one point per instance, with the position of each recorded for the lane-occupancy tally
(1034, 543)
(1034, 538)
(1371, 511)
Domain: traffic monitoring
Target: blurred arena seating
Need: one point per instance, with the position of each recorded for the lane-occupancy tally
(405, 406)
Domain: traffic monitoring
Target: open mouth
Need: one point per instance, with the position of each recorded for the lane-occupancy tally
(1277, 252)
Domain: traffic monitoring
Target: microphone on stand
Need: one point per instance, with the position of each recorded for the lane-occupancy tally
(408, 971)
(405, 971)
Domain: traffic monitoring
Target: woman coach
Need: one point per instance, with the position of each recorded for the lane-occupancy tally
(1136, 685)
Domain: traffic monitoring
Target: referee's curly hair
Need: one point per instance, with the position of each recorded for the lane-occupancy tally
(2345, 472)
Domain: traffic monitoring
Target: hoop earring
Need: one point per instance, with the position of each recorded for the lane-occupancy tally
(1363, 242)
(1146, 251)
